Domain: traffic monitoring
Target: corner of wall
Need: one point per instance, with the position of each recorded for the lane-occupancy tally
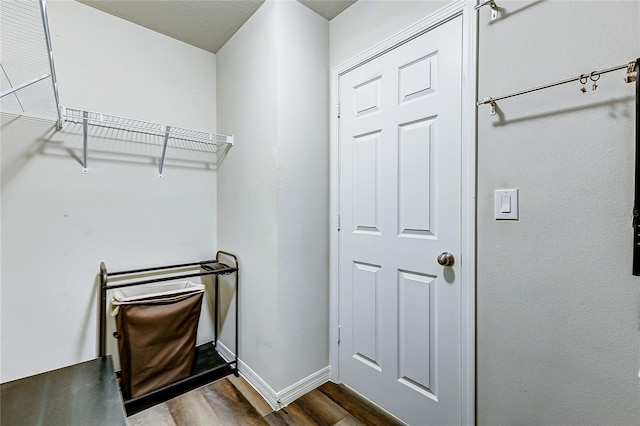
(266, 215)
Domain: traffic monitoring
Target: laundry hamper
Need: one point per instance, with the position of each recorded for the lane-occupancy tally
(156, 329)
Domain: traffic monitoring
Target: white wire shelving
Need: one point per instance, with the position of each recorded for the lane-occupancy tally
(28, 82)
(28, 86)
(209, 142)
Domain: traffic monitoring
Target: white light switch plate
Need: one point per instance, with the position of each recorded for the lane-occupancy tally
(506, 204)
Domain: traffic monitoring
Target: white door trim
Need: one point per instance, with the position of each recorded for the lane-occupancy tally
(468, 197)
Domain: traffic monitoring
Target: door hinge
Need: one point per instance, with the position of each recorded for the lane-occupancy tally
(338, 334)
(338, 109)
(338, 223)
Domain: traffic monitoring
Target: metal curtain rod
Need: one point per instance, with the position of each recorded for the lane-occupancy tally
(493, 101)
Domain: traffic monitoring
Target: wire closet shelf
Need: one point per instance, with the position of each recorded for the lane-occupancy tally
(26, 62)
(216, 143)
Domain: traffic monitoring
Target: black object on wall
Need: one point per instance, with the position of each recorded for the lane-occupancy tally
(636, 210)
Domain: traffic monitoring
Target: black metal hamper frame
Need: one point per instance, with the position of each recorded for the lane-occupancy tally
(208, 365)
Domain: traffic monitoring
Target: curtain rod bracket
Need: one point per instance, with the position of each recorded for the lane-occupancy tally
(494, 8)
(489, 101)
(632, 73)
(493, 106)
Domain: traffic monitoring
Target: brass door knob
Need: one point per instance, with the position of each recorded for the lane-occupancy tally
(446, 259)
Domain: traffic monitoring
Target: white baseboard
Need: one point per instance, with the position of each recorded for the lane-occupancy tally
(225, 352)
(277, 400)
(309, 383)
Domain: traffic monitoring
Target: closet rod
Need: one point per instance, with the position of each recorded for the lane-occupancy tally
(492, 101)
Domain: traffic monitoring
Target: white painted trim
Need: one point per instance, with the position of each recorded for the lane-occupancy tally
(277, 400)
(438, 17)
(468, 197)
(334, 211)
(468, 218)
(309, 383)
(225, 352)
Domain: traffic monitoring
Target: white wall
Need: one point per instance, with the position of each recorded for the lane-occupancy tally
(303, 192)
(273, 187)
(556, 303)
(58, 223)
(367, 23)
(110, 65)
(247, 182)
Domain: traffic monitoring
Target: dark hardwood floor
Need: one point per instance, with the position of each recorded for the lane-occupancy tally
(232, 401)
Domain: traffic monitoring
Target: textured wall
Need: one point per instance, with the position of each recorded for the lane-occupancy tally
(557, 304)
(247, 182)
(273, 203)
(303, 192)
(367, 23)
(110, 65)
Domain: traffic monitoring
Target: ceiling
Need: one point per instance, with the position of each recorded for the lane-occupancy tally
(206, 24)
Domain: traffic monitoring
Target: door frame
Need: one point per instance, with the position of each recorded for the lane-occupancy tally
(468, 196)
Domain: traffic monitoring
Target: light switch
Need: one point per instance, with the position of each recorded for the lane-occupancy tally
(506, 204)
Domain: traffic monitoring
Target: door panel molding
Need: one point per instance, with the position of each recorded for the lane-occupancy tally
(468, 196)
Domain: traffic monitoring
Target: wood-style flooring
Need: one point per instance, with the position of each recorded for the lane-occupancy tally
(232, 401)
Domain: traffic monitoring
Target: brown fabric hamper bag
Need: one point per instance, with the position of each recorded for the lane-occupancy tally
(156, 335)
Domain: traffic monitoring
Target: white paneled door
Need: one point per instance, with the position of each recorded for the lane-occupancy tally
(400, 209)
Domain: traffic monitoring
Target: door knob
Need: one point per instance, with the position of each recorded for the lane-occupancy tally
(446, 259)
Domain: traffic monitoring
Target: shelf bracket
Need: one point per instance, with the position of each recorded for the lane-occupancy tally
(164, 149)
(221, 152)
(85, 129)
